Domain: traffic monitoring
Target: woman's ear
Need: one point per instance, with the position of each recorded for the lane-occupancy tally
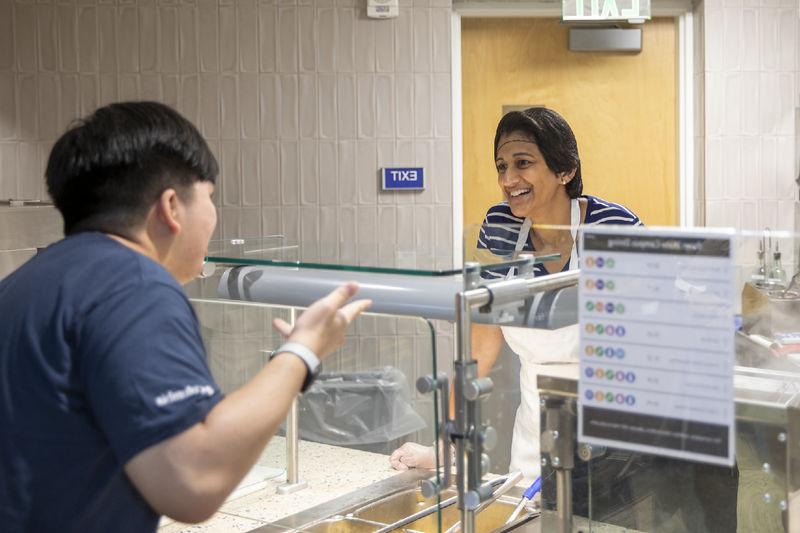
(167, 209)
(566, 177)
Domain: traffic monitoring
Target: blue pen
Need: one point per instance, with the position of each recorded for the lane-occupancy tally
(528, 495)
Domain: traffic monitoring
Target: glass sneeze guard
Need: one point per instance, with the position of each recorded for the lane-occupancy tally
(363, 405)
(276, 250)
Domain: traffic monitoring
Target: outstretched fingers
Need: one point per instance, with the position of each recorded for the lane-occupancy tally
(353, 309)
(282, 327)
(337, 297)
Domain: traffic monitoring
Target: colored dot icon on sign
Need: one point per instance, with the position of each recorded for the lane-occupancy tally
(600, 284)
(620, 331)
(590, 306)
(598, 306)
(630, 377)
(589, 328)
(599, 329)
(620, 353)
(620, 375)
(589, 262)
(599, 396)
(610, 330)
(610, 285)
(609, 374)
(599, 351)
(620, 309)
(589, 350)
(590, 284)
(620, 398)
(600, 262)
(630, 399)
(609, 307)
(589, 372)
(610, 262)
(609, 352)
(589, 394)
(610, 397)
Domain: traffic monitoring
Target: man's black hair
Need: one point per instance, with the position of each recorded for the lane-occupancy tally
(552, 135)
(108, 169)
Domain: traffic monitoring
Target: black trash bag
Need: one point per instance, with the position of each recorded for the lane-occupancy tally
(357, 408)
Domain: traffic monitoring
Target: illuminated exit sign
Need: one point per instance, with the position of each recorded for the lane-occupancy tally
(593, 10)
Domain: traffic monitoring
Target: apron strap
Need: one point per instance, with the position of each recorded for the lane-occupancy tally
(525, 229)
(575, 221)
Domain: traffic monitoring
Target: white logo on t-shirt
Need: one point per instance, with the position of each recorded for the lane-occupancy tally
(172, 396)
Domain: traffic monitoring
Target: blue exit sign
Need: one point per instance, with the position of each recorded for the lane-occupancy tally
(403, 178)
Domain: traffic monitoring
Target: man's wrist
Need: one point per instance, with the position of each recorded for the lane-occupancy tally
(307, 356)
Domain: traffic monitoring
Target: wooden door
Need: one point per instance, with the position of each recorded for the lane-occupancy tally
(622, 107)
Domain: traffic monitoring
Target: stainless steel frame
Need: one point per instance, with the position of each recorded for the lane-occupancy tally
(768, 400)
(468, 431)
(519, 301)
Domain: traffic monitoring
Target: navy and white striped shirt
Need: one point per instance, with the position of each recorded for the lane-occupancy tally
(500, 230)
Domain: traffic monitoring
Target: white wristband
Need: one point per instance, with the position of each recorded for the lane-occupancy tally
(308, 357)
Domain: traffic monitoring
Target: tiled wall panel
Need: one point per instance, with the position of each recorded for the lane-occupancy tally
(301, 102)
(749, 91)
(6, 36)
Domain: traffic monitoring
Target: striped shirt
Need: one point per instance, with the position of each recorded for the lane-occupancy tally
(500, 231)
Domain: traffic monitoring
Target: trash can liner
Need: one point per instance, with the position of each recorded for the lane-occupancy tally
(355, 408)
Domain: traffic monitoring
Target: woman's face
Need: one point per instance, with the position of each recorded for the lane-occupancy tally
(527, 182)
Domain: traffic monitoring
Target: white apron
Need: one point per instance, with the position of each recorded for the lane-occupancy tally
(540, 351)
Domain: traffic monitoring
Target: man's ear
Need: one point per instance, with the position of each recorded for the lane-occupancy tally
(167, 210)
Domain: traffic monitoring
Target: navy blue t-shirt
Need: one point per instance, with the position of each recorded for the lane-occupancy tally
(100, 358)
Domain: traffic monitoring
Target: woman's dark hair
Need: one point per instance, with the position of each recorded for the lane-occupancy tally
(552, 135)
(107, 170)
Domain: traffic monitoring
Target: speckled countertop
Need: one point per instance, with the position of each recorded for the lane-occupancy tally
(330, 472)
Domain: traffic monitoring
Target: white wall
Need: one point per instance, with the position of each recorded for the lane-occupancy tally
(751, 72)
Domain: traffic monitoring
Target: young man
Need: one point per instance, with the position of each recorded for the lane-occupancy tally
(109, 416)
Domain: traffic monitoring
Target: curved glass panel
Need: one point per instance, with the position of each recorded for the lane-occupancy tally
(362, 406)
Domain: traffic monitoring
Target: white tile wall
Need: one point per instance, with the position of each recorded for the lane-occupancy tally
(300, 101)
(750, 73)
(61, 60)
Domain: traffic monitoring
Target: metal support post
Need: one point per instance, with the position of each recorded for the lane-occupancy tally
(464, 367)
(293, 483)
(558, 440)
(469, 433)
(564, 499)
(469, 390)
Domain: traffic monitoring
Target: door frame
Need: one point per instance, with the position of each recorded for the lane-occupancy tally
(681, 10)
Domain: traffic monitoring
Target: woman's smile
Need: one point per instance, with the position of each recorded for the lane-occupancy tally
(518, 197)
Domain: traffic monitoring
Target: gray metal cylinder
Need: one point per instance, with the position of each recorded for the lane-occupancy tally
(430, 297)
(421, 296)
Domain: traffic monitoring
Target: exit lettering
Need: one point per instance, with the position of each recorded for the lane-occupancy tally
(403, 175)
(605, 9)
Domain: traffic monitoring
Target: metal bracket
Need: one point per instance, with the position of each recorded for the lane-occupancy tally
(557, 440)
(425, 385)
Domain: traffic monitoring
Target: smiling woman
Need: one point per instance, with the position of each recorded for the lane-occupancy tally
(539, 174)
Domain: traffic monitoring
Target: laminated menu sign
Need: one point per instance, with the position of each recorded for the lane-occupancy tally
(657, 342)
